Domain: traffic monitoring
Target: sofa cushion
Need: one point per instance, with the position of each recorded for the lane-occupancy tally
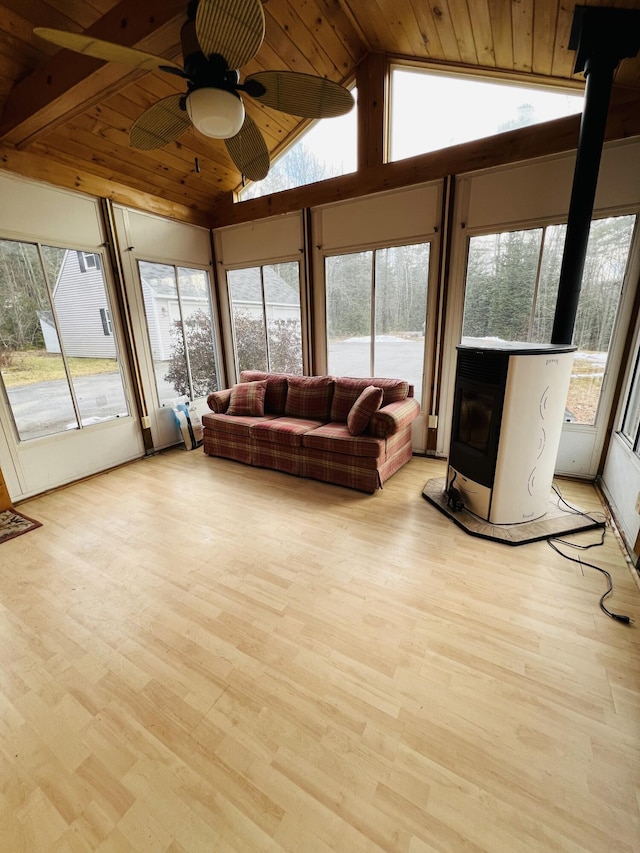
(367, 403)
(336, 438)
(276, 395)
(247, 398)
(236, 425)
(348, 389)
(287, 432)
(309, 397)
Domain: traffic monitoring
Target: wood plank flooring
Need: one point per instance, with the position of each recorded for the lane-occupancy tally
(201, 656)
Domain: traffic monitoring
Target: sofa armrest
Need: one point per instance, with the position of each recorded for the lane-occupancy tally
(218, 401)
(393, 417)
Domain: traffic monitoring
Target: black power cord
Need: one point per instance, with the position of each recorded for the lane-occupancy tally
(553, 543)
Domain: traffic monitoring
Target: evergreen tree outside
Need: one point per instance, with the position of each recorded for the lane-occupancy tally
(502, 300)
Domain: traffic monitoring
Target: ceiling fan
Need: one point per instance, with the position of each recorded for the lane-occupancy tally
(218, 38)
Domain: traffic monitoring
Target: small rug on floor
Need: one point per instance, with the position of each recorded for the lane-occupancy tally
(14, 523)
(555, 522)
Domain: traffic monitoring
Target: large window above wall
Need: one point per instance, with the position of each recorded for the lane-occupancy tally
(60, 369)
(432, 110)
(265, 312)
(512, 288)
(328, 148)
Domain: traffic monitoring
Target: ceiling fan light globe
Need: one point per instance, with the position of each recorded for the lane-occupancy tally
(215, 112)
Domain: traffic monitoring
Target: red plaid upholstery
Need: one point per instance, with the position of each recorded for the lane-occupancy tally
(228, 446)
(394, 463)
(367, 403)
(219, 400)
(347, 390)
(329, 469)
(336, 438)
(277, 457)
(307, 445)
(393, 417)
(283, 431)
(309, 397)
(232, 424)
(276, 395)
(247, 398)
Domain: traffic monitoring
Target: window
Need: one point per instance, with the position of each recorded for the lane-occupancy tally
(631, 422)
(180, 325)
(105, 319)
(376, 312)
(88, 262)
(326, 149)
(511, 291)
(59, 371)
(265, 312)
(431, 110)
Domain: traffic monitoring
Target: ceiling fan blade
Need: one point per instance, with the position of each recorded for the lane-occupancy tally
(248, 150)
(233, 29)
(162, 123)
(105, 49)
(302, 94)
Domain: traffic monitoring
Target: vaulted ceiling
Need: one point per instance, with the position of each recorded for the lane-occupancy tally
(66, 117)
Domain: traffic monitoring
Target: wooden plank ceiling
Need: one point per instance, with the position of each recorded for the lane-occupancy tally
(66, 118)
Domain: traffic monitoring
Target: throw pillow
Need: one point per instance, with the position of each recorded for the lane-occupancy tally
(247, 398)
(309, 397)
(348, 390)
(367, 403)
(276, 394)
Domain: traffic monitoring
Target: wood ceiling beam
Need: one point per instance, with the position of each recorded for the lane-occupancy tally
(43, 168)
(372, 82)
(70, 82)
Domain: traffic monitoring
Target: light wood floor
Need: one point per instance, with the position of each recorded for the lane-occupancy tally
(201, 656)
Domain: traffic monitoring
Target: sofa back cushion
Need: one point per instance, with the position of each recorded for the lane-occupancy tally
(347, 390)
(247, 398)
(367, 403)
(276, 394)
(309, 397)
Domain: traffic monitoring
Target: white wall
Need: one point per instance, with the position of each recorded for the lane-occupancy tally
(621, 485)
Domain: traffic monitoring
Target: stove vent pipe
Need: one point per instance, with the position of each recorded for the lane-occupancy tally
(602, 37)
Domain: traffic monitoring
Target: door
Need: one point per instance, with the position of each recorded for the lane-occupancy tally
(65, 399)
(167, 272)
(511, 287)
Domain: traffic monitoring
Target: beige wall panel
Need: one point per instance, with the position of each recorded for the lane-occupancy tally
(542, 189)
(40, 212)
(156, 237)
(384, 218)
(259, 242)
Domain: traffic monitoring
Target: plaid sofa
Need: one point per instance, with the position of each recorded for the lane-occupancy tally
(314, 426)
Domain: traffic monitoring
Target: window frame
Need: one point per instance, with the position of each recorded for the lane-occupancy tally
(89, 261)
(430, 309)
(260, 267)
(240, 194)
(543, 224)
(177, 267)
(568, 87)
(82, 420)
